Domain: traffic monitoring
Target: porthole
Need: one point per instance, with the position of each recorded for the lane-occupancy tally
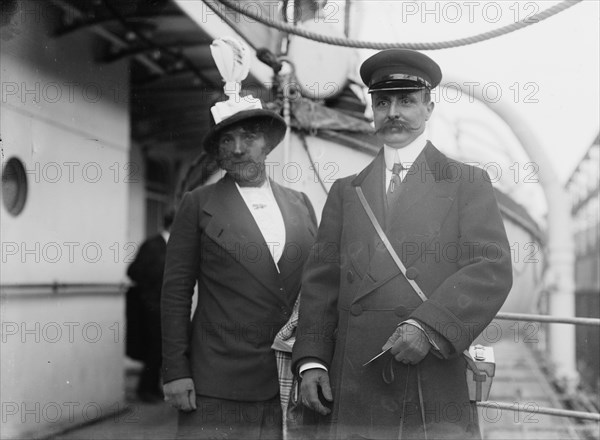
(14, 186)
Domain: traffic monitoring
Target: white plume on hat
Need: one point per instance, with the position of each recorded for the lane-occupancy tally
(233, 59)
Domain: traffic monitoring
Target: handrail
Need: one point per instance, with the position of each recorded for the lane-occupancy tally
(532, 408)
(547, 318)
(37, 290)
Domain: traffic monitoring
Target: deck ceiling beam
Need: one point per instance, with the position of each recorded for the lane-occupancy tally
(81, 24)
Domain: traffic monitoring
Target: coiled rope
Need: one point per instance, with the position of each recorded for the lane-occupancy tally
(360, 44)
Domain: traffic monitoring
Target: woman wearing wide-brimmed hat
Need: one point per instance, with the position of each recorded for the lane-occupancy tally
(244, 240)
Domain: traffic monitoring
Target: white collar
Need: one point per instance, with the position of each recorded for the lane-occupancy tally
(265, 185)
(404, 155)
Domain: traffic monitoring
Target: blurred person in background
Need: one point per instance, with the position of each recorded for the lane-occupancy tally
(146, 271)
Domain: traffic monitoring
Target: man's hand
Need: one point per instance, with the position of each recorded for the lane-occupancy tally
(181, 394)
(312, 380)
(409, 344)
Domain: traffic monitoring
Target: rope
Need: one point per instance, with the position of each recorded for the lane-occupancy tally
(312, 162)
(360, 44)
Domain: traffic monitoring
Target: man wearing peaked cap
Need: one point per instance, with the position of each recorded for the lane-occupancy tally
(244, 241)
(379, 360)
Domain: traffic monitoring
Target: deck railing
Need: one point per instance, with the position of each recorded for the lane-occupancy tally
(518, 407)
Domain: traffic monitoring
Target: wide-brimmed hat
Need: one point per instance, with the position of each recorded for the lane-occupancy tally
(232, 58)
(275, 127)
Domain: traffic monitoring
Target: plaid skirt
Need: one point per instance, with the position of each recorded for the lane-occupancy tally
(282, 345)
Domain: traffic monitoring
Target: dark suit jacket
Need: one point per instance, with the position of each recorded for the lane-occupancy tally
(242, 300)
(448, 232)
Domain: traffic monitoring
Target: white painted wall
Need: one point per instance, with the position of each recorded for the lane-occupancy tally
(136, 200)
(67, 119)
(76, 152)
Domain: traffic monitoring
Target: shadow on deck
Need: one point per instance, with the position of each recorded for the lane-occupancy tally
(518, 378)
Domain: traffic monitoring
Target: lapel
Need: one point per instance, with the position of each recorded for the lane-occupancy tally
(428, 191)
(423, 177)
(372, 182)
(297, 230)
(233, 228)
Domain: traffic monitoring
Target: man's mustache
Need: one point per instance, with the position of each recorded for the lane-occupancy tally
(395, 124)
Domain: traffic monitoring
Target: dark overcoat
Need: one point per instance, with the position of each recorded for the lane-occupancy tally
(242, 298)
(146, 270)
(447, 229)
(143, 306)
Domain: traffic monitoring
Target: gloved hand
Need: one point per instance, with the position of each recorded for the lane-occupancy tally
(408, 343)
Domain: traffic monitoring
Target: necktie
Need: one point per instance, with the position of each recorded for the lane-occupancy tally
(394, 188)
